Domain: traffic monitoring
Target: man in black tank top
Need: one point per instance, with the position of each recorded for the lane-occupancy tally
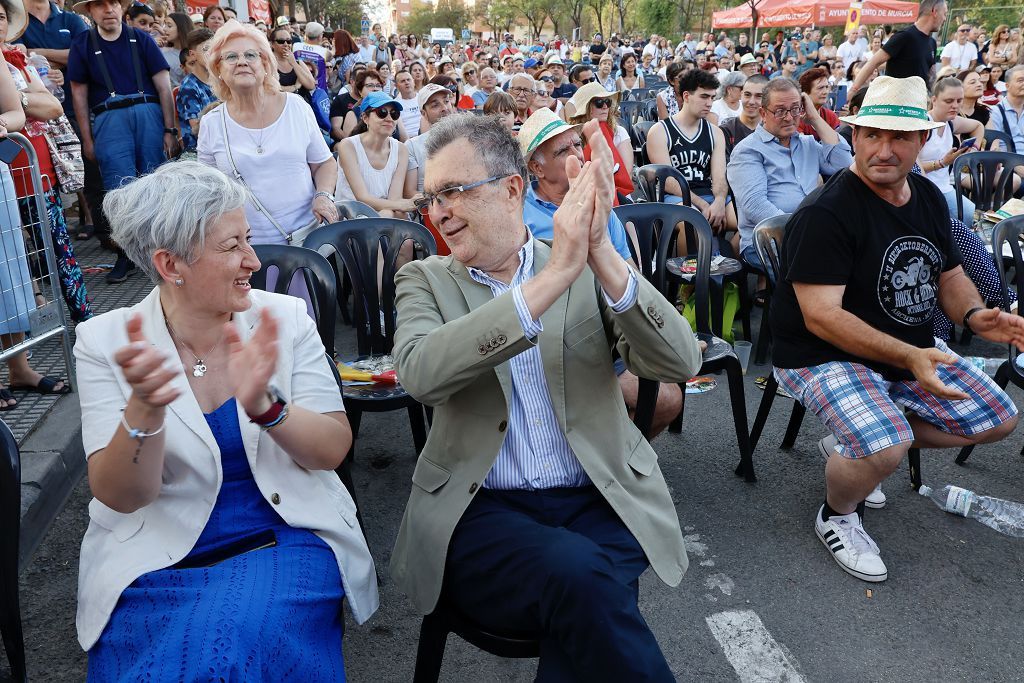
(688, 142)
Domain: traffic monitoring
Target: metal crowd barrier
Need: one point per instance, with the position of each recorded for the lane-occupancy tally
(30, 294)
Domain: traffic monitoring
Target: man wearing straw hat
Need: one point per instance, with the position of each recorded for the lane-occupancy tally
(536, 503)
(547, 142)
(121, 87)
(865, 261)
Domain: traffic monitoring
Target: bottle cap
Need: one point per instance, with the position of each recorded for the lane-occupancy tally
(924, 490)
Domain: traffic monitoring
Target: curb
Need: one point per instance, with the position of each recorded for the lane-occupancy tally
(52, 464)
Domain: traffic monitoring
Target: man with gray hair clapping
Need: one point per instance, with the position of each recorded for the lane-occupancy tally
(536, 503)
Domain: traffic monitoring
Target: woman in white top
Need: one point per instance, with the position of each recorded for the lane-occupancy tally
(939, 152)
(218, 521)
(373, 163)
(728, 106)
(629, 74)
(265, 138)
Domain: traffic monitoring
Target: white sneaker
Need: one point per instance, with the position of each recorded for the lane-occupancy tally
(875, 499)
(850, 546)
(828, 445)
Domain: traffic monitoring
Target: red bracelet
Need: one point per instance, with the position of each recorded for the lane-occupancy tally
(269, 416)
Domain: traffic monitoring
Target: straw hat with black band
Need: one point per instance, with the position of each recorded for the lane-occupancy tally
(895, 104)
(542, 125)
(581, 99)
(17, 19)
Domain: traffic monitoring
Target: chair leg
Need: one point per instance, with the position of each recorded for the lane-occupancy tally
(914, 461)
(1002, 379)
(734, 372)
(419, 427)
(745, 306)
(676, 426)
(430, 650)
(763, 409)
(793, 428)
(764, 339)
(646, 399)
(10, 615)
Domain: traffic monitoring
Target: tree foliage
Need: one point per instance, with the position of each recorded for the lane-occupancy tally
(656, 16)
(444, 14)
(535, 12)
(498, 15)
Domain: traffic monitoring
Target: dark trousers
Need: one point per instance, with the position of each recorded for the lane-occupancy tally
(559, 562)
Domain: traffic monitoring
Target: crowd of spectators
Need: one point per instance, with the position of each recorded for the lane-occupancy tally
(269, 126)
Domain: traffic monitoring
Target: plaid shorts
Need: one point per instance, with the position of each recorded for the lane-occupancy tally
(864, 411)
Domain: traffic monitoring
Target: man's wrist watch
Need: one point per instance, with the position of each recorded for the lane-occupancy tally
(967, 317)
(171, 131)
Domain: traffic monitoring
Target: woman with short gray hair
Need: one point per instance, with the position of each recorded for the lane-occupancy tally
(211, 422)
(727, 106)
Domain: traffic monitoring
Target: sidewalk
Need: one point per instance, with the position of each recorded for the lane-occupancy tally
(49, 428)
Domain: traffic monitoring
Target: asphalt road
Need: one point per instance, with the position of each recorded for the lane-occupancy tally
(762, 601)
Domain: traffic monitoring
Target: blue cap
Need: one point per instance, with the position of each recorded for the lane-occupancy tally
(376, 100)
(530, 63)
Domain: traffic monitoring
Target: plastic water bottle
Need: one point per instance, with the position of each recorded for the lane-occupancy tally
(987, 365)
(1005, 516)
(42, 67)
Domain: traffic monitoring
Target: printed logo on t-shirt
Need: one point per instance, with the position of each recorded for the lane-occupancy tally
(908, 280)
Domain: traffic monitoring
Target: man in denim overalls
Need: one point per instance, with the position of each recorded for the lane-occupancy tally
(121, 87)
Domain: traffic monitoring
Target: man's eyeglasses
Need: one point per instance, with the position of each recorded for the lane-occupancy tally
(592, 79)
(385, 112)
(601, 102)
(249, 56)
(446, 197)
(795, 112)
(520, 90)
(282, 41)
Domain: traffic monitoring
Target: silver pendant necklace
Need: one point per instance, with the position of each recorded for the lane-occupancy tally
(258, 142)
(199, 368)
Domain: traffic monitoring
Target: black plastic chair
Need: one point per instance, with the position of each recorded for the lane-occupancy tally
(638, 137)
(991, 180)
(351, 208)
(446, 619)
(992, 135)
(318, 276)
(651, 180)
(1007, 232)
(629, 112)
(357, 243)
(768, 241)
(10, 520)
(655, 225)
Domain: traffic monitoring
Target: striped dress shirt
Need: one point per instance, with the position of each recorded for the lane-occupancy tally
(535, 453)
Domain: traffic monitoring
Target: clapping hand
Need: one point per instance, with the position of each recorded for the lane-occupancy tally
(145, 368)
(251, 363)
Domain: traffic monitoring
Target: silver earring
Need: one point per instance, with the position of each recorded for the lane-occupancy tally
(179, 282)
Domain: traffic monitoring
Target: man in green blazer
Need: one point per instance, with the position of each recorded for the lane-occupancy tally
(536, 504)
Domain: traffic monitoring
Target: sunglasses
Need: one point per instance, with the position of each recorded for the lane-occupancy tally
(592, 79)
(545, 79)
(602, 102)
(285, 41)
(385, 112)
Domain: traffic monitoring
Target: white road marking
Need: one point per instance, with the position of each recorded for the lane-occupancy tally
(750, 648)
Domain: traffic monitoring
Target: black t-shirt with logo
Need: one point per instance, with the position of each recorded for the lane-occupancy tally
(911, 53)
(888, 257)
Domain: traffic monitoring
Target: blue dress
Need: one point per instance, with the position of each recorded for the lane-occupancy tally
(270, 614)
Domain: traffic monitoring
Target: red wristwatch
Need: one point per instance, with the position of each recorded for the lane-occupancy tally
(274, 415)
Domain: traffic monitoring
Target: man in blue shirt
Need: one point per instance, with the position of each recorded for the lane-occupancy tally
(49, 33)
(547, 143)
(121, 87)
(774, 168)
